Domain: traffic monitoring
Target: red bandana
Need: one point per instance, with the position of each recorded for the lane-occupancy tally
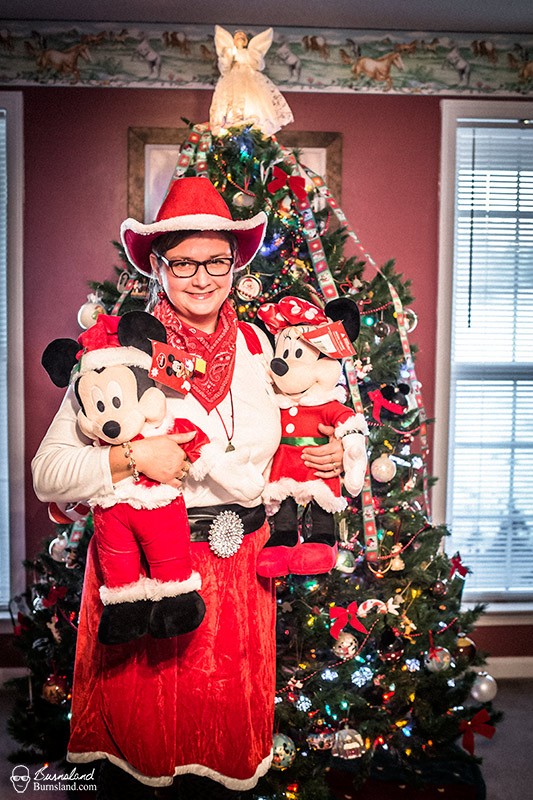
(217, 349)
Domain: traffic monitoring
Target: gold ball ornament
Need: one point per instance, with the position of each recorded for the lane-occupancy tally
(465, 648)
(383, 469)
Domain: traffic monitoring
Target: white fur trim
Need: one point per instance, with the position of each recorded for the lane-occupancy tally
(355, 423)
(129, 593)
(137, 495)
(149, 589)
(112, 357)
(193, 222)
(303, 493)
(190, 769)
(317, 397)
(209, 455)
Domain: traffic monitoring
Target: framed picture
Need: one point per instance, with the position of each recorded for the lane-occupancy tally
(153, 152)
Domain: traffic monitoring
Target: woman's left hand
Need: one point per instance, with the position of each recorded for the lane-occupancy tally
(325, 459)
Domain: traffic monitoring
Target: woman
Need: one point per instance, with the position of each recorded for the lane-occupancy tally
(200, 704)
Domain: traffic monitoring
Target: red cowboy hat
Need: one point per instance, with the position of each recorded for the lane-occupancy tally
(192, 204)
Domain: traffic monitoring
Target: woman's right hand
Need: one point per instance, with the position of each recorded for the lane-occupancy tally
(158, 457)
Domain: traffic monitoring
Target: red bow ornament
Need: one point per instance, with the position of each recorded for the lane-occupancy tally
(458, 566)
(295, 183)
(56, 593)
(478, 724)
(344, 616)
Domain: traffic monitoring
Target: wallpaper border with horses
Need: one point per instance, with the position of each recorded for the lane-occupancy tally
(300, 59)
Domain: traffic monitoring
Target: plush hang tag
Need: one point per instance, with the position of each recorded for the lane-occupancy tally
(174, 368)
(331, 339)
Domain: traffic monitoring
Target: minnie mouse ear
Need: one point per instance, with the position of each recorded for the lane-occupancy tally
(343, 310)
(138, 329)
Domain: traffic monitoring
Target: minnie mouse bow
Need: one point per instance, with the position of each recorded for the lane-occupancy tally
(288, 312)
(295, 183)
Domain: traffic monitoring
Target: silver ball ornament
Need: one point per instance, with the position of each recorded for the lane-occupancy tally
(438, 659)
(485, 688)
(88, 314)
(345, 562)
(383, 469)
(58, 548)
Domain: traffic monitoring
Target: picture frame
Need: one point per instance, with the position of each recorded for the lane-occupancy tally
(152, 155)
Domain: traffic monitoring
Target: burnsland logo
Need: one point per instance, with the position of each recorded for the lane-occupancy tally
(20, 778)
(52, 781)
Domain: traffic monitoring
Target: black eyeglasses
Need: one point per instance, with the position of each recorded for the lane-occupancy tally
(186, 268)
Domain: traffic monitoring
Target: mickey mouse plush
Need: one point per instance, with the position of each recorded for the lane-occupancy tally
(139, 519)
(305, 381)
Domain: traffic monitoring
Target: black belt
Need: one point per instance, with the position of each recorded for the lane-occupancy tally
(201, 519)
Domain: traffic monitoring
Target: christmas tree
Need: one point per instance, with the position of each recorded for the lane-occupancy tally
(375, 665)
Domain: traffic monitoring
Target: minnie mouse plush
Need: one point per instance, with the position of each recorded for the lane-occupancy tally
(305, 380)
(141, 525)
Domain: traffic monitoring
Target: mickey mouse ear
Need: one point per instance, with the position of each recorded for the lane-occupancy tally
(138, 329)
(58, 360)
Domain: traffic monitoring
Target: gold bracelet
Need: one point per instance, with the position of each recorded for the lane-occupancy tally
(128, 453)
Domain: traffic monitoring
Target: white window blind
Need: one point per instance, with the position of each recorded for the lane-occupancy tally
(4, 465)
(12, 518)
(490, 461)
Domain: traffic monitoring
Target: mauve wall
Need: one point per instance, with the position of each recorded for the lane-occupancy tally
(76, 166)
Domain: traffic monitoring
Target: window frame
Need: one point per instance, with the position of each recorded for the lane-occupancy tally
(13, 103)
(451, 111)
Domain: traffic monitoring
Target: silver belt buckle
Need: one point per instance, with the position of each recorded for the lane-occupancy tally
(226, 534)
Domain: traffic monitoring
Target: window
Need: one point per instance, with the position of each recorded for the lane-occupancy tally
(485, 345)
(11, 372)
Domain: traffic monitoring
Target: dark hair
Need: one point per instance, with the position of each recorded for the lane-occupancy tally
(167, 241)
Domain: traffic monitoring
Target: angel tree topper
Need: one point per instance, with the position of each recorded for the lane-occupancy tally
(243, 95)
(305, 379)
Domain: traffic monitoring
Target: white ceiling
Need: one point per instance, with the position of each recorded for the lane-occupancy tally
(490, 16)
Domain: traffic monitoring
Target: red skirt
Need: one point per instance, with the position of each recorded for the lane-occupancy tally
(201, 703)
